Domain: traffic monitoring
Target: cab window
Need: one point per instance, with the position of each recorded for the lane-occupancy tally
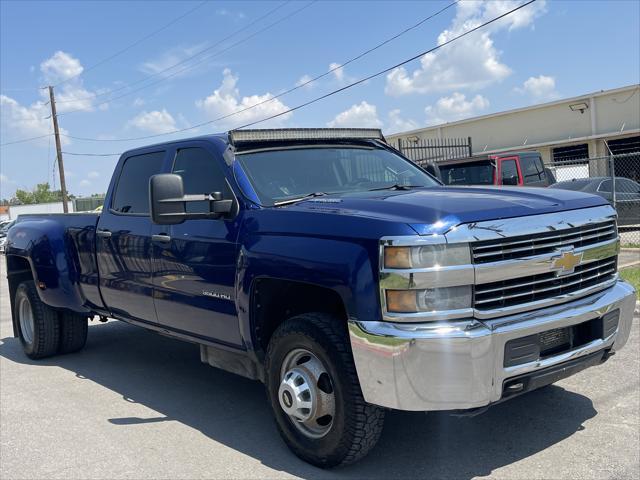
(200, 173)
(132, 191)
(509, 172)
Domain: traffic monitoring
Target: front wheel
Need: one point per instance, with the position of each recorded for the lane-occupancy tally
(315, 395)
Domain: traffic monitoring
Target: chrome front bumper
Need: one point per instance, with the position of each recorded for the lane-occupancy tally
(459, 365)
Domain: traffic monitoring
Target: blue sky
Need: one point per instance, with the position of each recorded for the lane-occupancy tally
(548, 50)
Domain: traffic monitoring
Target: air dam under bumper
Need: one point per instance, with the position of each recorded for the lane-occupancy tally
(460, 365)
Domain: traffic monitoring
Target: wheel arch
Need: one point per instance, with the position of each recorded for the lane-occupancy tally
(273, 300)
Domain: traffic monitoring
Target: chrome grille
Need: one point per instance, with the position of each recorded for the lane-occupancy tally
(539, 244)
(508, 293)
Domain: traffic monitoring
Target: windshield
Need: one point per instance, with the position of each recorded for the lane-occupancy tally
(278, 175)
(477, 173)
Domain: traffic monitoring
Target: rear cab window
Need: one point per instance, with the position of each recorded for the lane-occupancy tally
(474, 173)
(132, 190)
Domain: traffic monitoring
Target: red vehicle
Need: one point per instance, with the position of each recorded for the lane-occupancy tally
(513, 168)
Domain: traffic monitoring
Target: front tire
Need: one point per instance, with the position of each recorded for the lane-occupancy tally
(315, 395)
(38, 324)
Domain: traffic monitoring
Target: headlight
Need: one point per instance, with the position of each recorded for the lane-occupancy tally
(427, 256)
(428, 300)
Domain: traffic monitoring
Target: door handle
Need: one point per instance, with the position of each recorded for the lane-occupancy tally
(101, 232)
(161, 238)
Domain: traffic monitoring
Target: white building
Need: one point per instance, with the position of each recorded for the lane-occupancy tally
(586, 126)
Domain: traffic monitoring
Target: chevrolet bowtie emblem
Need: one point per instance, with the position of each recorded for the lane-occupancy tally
(566, 262)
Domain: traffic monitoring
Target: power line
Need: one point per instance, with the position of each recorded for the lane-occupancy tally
(286, 92)
(357, 82)
(76, 154)
(23, 140)
(386, 70)
(132, 45)
(208, 57)
(184, 60)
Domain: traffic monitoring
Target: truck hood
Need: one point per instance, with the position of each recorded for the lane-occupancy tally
(436, 209)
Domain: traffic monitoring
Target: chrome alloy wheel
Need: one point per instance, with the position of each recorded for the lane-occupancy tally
(306, 393)
(26, 319)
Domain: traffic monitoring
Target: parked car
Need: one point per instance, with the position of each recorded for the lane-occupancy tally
(514, 168)
(627, 195)
(4, 229)
(332, 269)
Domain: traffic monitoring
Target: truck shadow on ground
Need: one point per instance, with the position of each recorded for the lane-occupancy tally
(166, 375)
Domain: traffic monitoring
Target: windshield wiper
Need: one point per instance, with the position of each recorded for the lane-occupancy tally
(299, 199)
(396, 186)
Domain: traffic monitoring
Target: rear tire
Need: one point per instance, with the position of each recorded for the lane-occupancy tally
(315, 395)
(38, 324)
(73, 332)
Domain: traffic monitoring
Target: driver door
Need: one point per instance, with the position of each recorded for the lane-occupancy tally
(195, 261)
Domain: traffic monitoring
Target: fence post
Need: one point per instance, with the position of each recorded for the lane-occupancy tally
(400, 145)
(612, 172)
(470, 149)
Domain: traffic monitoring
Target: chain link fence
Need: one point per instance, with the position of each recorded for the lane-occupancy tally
(615, 178)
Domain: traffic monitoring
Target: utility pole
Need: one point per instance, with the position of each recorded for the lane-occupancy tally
(54, 117)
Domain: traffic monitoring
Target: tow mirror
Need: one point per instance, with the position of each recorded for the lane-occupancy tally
(168, 201)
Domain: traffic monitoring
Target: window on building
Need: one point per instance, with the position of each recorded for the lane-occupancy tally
(572, 152)
(200, 174)
(132, 191)
(624, 145)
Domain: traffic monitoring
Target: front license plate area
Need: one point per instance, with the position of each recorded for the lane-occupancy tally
(554, 341)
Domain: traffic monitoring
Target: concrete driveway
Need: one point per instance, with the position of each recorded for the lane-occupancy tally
(135, 404)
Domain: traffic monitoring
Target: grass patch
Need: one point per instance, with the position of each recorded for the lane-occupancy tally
(631, 275)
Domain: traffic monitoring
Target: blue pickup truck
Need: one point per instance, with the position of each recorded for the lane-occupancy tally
(326, 265)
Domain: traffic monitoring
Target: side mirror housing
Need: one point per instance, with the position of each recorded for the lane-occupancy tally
(166, 192)
(168, 201)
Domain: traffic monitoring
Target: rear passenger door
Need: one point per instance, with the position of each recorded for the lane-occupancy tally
(195, 262)
(123, 243)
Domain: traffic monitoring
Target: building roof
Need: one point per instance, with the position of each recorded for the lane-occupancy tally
(634, 87)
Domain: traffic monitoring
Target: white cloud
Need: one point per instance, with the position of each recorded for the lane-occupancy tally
(60, 66)
(303, 80)
(455, 107)
(34, 119)
(28, 121)
(236, 14)
(156, 121)
(338, 72)
(472, 62)
(540, 88)
(226, 100)
(362, 114)
(138, 102)
(162, 65)
(84, 182)
(93, 174)
(71, 95)
(398, 124)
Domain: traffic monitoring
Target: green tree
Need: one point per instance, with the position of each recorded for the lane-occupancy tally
(42, 193)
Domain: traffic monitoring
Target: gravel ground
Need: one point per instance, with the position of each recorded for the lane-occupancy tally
(135, 404)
